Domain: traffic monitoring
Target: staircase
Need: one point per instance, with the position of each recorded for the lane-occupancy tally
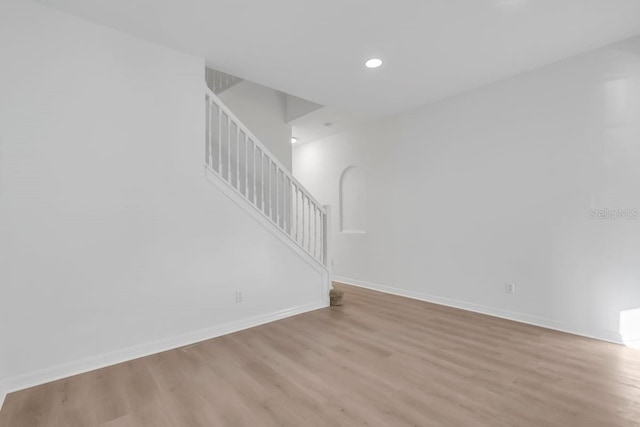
(239, 163)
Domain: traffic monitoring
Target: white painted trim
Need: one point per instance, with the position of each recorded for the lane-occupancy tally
(602, 335)
(260, 216)
(81, 366)
(328, 244)
(263, 148)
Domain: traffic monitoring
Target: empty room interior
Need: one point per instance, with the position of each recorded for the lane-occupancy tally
(319, 213)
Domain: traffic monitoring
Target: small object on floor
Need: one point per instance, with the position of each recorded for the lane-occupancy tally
(335, 297)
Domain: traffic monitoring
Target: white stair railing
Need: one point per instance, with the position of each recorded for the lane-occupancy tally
(240, 160)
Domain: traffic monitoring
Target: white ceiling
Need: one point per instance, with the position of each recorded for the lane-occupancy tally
(316, 49)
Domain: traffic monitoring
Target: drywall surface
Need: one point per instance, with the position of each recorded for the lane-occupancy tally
(3, 393)
(112, 242)
(263, 111)
(532, 181)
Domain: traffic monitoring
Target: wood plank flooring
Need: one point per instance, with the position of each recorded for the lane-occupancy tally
(380, 360)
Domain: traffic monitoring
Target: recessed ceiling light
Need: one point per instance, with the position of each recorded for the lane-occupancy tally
(373, 63)
(294, 139)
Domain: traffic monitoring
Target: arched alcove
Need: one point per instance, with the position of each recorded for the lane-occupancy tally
(352, 200)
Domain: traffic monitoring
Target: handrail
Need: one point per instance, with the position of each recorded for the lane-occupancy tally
(308, 194)
(238, 158)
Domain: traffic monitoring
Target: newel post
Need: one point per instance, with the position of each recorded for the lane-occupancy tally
(327, 256)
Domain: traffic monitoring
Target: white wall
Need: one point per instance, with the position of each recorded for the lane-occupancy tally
(496, 186)
(297, 107)
(263, 111)
(4, 370)
(112, 242)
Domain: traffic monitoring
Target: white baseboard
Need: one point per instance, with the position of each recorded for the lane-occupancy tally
(81, 366)
(603, 335)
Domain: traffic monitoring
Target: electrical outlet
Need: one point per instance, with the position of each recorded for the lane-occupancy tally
(510, 288)
(239, 297)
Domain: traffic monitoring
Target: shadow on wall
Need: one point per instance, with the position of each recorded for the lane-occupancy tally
(620, 157)
(352, 200)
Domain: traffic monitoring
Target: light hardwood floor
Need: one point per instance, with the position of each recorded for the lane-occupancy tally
(380, 360)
